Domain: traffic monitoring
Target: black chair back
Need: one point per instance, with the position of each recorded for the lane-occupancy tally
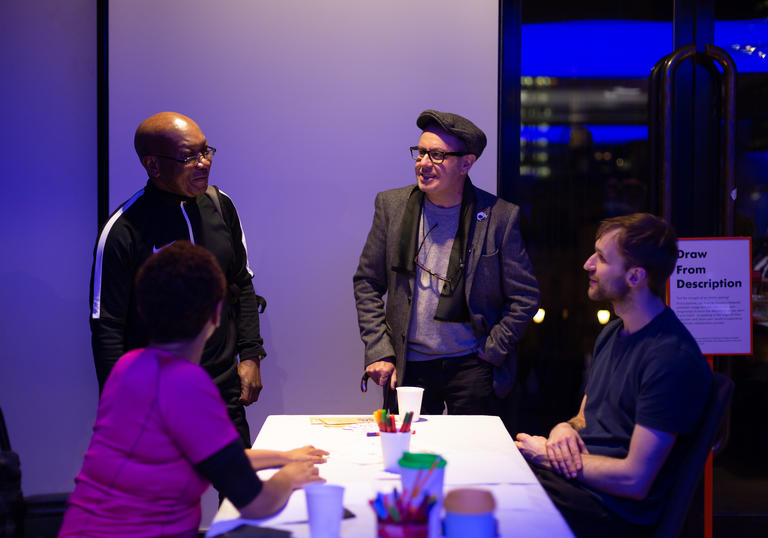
(5, 442)
(11, 498)
(691, 468)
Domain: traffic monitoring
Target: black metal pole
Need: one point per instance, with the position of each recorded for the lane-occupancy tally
(696, 195)
(102, 111)
(510, 21)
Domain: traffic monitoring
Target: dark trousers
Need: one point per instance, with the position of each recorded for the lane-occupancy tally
(229, 387)
(586, 515)
(463, 385)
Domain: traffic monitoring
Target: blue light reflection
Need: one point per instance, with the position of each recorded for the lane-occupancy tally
(621, 48)
(601, 134)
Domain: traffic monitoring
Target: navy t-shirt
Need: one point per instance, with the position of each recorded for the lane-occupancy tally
(655, 377)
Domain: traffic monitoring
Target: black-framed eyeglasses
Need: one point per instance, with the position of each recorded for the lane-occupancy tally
(437, 156)
(450, 281)
(206, 153)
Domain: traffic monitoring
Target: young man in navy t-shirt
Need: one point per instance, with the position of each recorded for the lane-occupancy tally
(605, 468)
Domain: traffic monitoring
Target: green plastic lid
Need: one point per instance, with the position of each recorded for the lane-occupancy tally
(420, 460)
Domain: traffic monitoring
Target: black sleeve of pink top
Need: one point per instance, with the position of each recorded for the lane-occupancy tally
(231, 474)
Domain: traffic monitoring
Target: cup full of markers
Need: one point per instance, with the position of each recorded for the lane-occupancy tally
(394, 441)
(400, 515)
(387, 423)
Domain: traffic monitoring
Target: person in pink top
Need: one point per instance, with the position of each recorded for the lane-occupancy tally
(162, 434)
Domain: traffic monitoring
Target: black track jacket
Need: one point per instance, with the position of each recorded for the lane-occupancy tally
(149, 220)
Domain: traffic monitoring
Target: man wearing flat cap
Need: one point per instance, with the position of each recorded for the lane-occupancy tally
(459, 286)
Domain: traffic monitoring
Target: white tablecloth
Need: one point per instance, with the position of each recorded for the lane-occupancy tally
(479, 451)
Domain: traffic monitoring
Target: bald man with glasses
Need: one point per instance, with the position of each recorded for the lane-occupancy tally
(178, 203)
(444, 288)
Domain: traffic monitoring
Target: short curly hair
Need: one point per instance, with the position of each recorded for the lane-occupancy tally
(177, 290)
(646, 241)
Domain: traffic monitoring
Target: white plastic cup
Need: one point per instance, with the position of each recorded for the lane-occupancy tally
(393, 446)
(409, 399)
(325, 509)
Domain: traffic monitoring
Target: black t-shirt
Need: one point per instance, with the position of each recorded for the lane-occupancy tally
(655, 377)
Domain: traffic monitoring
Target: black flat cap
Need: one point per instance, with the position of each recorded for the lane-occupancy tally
(455, 125)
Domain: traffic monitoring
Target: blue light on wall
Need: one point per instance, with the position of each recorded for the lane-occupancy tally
(621, 48)
(601, 134)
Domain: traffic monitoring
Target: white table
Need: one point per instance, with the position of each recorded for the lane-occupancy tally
(479, 451)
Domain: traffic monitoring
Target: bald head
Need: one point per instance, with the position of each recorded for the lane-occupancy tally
(164, 142)
(159, 132)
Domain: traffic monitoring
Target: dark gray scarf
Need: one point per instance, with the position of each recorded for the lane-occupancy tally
(452, 305)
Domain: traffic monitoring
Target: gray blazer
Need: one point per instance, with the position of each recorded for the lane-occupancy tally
(501, 289)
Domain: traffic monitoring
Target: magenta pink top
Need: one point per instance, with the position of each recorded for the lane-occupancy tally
(159, 415)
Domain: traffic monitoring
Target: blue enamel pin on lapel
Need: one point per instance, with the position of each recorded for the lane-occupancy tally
(482, 216)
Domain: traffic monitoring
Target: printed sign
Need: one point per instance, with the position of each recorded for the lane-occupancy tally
(710, 291)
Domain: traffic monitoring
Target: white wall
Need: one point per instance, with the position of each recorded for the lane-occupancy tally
(312, 106)
(47, 228)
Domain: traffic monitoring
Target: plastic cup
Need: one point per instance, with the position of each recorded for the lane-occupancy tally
(409, 399)
(325, 509)
(393, 446)
(416, 471)
(469, 514)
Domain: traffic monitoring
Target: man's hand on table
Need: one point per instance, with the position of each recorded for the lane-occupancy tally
(534, 449)
(381, 371)
(250, 380)
(564, 449)
(306, 453)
